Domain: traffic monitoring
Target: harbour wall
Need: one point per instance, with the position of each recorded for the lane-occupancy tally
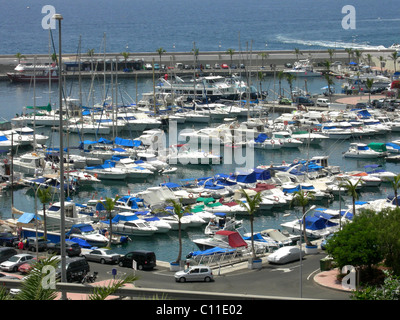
(267, 62)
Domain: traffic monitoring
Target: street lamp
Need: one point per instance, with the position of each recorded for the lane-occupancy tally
(59, 17)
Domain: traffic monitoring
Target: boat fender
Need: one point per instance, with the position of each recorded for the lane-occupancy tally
(276, 198)
(272, 141)
(289, 140)
(190, 195)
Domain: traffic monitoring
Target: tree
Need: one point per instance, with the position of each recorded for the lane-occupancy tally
(44, 196)
(125, 55)
(290, 78)
(251, 206)
(382, 62)
(231, 52)
(394, 56)
(179, 211)
(351, 189)
(301, 199)
(297, 52)
(395, 185)
(263, 56)
(358, 55)
(356, 244)
(369, 84)
(349, 52)
(19, 56)
(260, 77)
(331, 53)
(328, 79)
(109, 205)
(160, 52)
(196, 55)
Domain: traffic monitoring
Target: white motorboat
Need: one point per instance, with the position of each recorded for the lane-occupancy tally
(28, 132)
(334, 132)
(6, 143)
(161, 225)
(82, 177)
(127, 223)
(222, 222)
(132, 169)
(181, 154)
(309, 137)
(30, 163)
(265, 143)
(303, 68)
(107, 172)
(150, 160)
(362, 151)
(86, 128)
(222, 239)
(85, 231)
(316, 227)
(286, 139)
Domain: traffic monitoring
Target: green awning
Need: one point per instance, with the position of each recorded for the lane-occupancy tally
(47, 108)
(377, 146)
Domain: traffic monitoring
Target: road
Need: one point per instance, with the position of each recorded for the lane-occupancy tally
(271, 280)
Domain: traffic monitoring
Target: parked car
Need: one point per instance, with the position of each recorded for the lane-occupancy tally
(208, 66)
(71, 248)
(195, 273)
(285, 101)
(27, 266)
(321, 102)
(217, 66)
(7, 239)
(6, 253)
(76, 269)
(15, 261)
(288, 65)
(224, 66)
(242, 66)
(102, 256)
(233, 66)
(42, 244)
(148, 66)
(144, 259)
(285, 255)
(156, 66)
(304, 101)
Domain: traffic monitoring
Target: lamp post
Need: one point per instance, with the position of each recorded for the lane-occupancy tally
(59, 17)
(301, 258)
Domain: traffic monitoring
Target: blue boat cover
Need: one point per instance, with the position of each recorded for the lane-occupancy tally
(170, 185)
(82, 243)
(317, 223)
(81, 227)
(262, 174)
(212, 251)
(261, 138)
(247, 178)
(27, 217)
(257, 237)
(127, 142)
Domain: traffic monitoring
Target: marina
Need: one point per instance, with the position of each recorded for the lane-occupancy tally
(156, 134)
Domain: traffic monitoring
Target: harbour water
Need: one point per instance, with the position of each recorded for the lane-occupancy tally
(144, 26)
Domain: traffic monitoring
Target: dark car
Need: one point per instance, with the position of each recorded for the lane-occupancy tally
(304, 101)
(76, 269)
(144, 259)
(41, 244)
(7, 239)
(71, 248)
(6, 253)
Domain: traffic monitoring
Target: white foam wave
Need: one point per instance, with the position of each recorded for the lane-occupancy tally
(329, 44)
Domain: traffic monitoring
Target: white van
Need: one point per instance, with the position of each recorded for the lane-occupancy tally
(321, 102)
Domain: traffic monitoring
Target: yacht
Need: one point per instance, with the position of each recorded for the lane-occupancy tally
(28, 72)
(303, 68)
(128, 223)
(85, 231)
(363, 151)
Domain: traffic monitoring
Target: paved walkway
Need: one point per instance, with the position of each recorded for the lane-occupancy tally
(353, 100)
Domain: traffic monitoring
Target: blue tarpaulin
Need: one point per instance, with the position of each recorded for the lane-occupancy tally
(261, 138)
(27, 217)
(127, 142)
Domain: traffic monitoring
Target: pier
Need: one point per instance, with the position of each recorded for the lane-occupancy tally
(133, 66)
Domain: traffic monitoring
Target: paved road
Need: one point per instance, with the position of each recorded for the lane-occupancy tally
(271, 280)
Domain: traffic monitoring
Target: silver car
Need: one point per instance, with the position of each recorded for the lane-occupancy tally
(195, 273)
(102, 256)
(15, 261)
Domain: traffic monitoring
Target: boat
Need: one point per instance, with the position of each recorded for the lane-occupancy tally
(107, 171)
(303, 68)
(363, 151)
(85, 231)
(27, 134)
(50, 181)
(286, 139)
(222, 239)
(24, 72)
(222, 222)
(133, 169)
(82, 177)
(265, 143)
(183, 155)
(30, 164)
(128, 223)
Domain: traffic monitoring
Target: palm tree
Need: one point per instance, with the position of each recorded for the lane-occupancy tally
(330, 83)
(251, 206)
(44, 196)
(109, 205)
(369, 84)
(358, 54)
(290, 78)
(160, 52)
(394, 56)
(19, 56)
(260, 77)
(301, 199)
(280, 76)
(396, 184)
(351, 189)
(297, 52)
(231, 52)
(382, 62)
(179, 211)
(125, 55)
(263, 56)
(349, 52)
(331, 53)
(196, 55)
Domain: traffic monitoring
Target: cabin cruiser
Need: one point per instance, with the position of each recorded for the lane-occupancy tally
(363, 151)
(31, 164)
(182, 154)
(132, 168)
(128, 223)
(286, 139)
(308, 137)
(303, 68)
(85, 231)
(29, 72)
(107, 171)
